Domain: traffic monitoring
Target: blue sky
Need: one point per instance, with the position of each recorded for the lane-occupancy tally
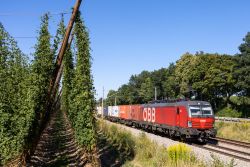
(129, 36)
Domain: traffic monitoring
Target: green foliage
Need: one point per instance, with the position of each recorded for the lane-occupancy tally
(23, 91)
(14, 120)
(68, 67)
(240, 100)
(147, 90)
(179, 152)
(242, 104)
(183, 70)
(81, 106)
(228, 112)
(39, 80)
(111, 97)
(147, 150)
(123, 141)
(209, 75)
(242, 71)
(127, 94)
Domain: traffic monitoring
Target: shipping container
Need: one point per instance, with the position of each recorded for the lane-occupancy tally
(105, 111)
(125, 112)
(136, 112)
(115, 111)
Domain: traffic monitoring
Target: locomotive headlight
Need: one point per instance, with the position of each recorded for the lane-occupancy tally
(189, 124)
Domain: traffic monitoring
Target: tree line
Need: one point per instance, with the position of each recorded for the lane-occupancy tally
(24, 86)
(223, 80)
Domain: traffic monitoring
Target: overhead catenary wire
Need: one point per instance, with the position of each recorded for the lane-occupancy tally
(28, 37)
(33, 14)
(24, 37)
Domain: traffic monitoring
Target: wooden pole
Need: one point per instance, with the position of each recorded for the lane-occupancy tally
(64, 46)
(59, 74)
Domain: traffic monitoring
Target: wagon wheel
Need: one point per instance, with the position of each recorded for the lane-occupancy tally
(171, 133)
(166, 132)
(149, 129)
(183, 137)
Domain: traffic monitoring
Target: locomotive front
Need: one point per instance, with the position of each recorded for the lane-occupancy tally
(201, 119)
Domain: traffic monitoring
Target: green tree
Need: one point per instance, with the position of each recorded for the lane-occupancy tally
(147, 90)
(242, 71)
(126, 94)
(170, 87)
(132, 90)
(158, 79)
(183, 70)
(169, 84)
(210, 75)
(111, 96)
(219, 78)
(242, 74)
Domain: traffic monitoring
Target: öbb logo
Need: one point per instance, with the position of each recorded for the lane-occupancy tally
(149, 114)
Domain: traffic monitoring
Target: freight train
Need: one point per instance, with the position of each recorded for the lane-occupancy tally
(189, 120)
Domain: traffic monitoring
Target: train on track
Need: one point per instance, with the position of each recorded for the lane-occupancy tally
(189, 120)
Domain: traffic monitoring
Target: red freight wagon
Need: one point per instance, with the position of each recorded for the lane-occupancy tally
(136, 114)
(125, 112)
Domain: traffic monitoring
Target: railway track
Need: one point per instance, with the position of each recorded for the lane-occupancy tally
(235, 149)
(232, 142)
(225, 151)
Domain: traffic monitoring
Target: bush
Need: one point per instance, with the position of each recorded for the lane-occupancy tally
(122, 140)
(228, 112)
(145, 148)
(179, 152)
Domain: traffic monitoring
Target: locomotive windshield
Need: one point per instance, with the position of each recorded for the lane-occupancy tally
(200, 110)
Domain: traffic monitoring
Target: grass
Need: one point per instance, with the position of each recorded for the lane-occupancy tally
(143, 152)
(123, 141)
(148, 153)
(233, 130)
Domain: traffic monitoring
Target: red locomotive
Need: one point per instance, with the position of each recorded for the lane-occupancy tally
(186, 119)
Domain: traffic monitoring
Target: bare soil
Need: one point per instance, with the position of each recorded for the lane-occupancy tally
(57, 146)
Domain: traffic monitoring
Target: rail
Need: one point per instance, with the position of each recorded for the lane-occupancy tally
(225, 151)
(229, 119)
(231, 142)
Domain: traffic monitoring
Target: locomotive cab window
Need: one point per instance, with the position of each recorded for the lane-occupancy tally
(200, 110)
(207, 110)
